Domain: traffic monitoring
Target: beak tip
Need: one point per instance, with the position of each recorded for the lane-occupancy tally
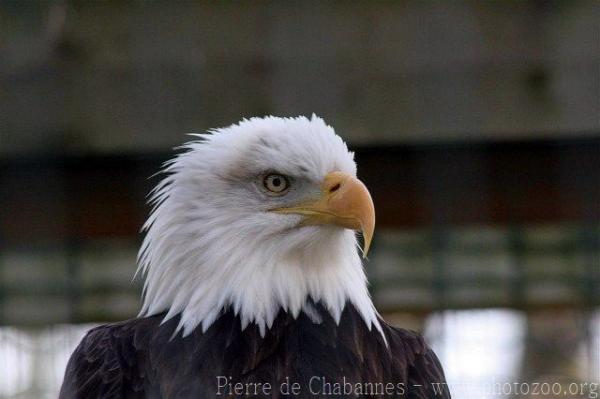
(367, 237)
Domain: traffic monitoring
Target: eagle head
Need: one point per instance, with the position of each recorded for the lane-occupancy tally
(258, 217)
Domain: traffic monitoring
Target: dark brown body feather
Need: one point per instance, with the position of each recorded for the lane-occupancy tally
(138, 359)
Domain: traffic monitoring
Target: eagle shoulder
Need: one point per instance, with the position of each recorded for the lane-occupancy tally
(106, 363)
(425, 377)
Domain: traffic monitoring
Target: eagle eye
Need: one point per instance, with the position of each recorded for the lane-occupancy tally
(276, 183)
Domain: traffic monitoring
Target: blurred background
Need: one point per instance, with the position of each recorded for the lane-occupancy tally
(476, 127)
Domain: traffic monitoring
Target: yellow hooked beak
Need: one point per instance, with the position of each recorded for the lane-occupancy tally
(345, 202)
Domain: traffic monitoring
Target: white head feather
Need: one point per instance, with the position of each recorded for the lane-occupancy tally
(212, 244)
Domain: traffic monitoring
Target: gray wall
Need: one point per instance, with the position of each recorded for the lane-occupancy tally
(107, 77)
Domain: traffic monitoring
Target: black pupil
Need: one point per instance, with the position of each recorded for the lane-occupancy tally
(276, 181)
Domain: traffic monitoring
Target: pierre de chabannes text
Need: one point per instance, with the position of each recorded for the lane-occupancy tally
(321, 386)
(317, 385)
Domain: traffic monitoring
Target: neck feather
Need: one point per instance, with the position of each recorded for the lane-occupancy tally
(255, 276)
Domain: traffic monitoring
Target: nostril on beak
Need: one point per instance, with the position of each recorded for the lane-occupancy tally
(334, 188)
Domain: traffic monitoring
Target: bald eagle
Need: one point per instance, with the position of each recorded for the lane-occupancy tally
(254, 284)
